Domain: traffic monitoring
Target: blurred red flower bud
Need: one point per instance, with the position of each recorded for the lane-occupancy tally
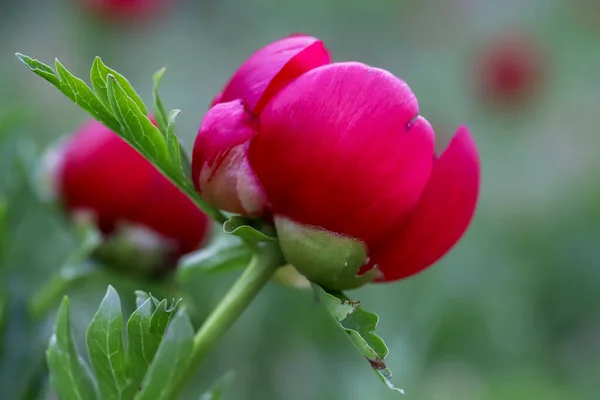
(123, 9)
(99, 173)
(510, 69)
(338, 155)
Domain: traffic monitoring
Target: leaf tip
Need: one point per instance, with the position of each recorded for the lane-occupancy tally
(159, 74)
(111, 291)
(65, 300)
(58, 64)
(173, 114)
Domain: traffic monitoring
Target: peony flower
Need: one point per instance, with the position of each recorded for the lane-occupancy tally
(340, 159)
(98, 175)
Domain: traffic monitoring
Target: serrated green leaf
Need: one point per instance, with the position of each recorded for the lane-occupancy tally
(161, 316)
(359, 326)
(99, 75)
(173, 142)
(154, 300)
(137, 129)
(141, 297)
(126, 118)
(240, 227)
(141, 344)
(80, 93)
(218, 389)
(105, 347)
(160, 113)
(145, 329)
(69, 375)
(39, 68)
(72, 87)
(171, 359)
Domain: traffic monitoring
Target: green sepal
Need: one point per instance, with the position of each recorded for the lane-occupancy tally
(246, 229)
(328, 259)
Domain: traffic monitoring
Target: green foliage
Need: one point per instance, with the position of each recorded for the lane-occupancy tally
(173, 145)
(98, 77)
(172, 358)
(117, 105)
(245, 228)
(159, 343)
(145, 330)
(137, 128)
(76, 268)
(359, 326)
(159, 109)
(225, 253)
(70, 376)
(105, 346)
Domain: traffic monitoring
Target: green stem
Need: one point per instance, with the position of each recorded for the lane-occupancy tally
(249, 284)
(52, 291)
(209, 210)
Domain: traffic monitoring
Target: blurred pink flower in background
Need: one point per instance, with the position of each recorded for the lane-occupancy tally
(98, 173)
(124, 9)
(510, 69)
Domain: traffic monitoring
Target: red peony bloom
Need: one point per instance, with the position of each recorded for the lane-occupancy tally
(510, 69)
(338, 155)
(118, 9)
(100, 173)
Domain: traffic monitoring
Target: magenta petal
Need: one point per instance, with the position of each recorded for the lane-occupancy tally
(335, 150)
(441, 216)
(272, 67)
(220, 169)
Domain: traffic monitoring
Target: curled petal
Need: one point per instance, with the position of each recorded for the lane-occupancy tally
(272, 67)
(220, 168)
(442, 215)
(340, 148)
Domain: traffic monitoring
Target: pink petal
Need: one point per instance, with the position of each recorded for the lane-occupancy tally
(337, 150)
(441, 216)
(272, 67)
(220, 169)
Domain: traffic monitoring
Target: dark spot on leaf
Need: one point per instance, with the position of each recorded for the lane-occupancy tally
(377, 363)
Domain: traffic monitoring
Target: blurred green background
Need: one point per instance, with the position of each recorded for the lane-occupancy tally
(513, 312)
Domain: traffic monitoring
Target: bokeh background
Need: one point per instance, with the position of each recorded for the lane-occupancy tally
(513, 312)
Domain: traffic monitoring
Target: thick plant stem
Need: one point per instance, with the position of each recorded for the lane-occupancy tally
(244, 290)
